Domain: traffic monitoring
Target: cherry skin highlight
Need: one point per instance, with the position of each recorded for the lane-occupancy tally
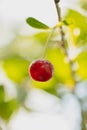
(41, 70)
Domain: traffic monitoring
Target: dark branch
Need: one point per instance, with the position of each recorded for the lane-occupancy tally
(63, 41)
(57, 1)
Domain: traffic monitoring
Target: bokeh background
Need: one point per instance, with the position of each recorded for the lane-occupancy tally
(31, 105)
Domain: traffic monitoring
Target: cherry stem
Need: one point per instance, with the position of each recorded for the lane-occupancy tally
(47, 41)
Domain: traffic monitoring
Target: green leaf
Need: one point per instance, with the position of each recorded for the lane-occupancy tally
(16, 68)
(2, 93)
(7, 109)
(36, 24)
(45, 85)
(61, 67)
(42, 36)
(66, 22)
(79, 21)
(82, 65)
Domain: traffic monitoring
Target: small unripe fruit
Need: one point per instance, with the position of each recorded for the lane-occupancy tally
(41, 70)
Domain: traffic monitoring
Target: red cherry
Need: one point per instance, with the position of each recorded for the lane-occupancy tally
(41, 70)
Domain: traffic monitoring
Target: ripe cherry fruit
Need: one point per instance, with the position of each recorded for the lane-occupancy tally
(41, 70)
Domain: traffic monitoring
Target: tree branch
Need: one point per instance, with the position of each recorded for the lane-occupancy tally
(63, 41)
(59, 19)
(70, 61)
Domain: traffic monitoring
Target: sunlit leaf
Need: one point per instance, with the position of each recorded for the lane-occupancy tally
(45, 85)
(61, 67)
(36, 24)
(80, 22)
(16, 68)
(82, 65)
(41, 37)
(65, 22)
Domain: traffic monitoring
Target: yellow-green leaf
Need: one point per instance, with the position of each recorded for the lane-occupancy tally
(16, 68)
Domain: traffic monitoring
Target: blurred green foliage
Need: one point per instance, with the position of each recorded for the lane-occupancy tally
(7, 107)
(82, 61)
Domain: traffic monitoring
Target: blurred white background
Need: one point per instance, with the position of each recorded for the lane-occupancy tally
(13, 14)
